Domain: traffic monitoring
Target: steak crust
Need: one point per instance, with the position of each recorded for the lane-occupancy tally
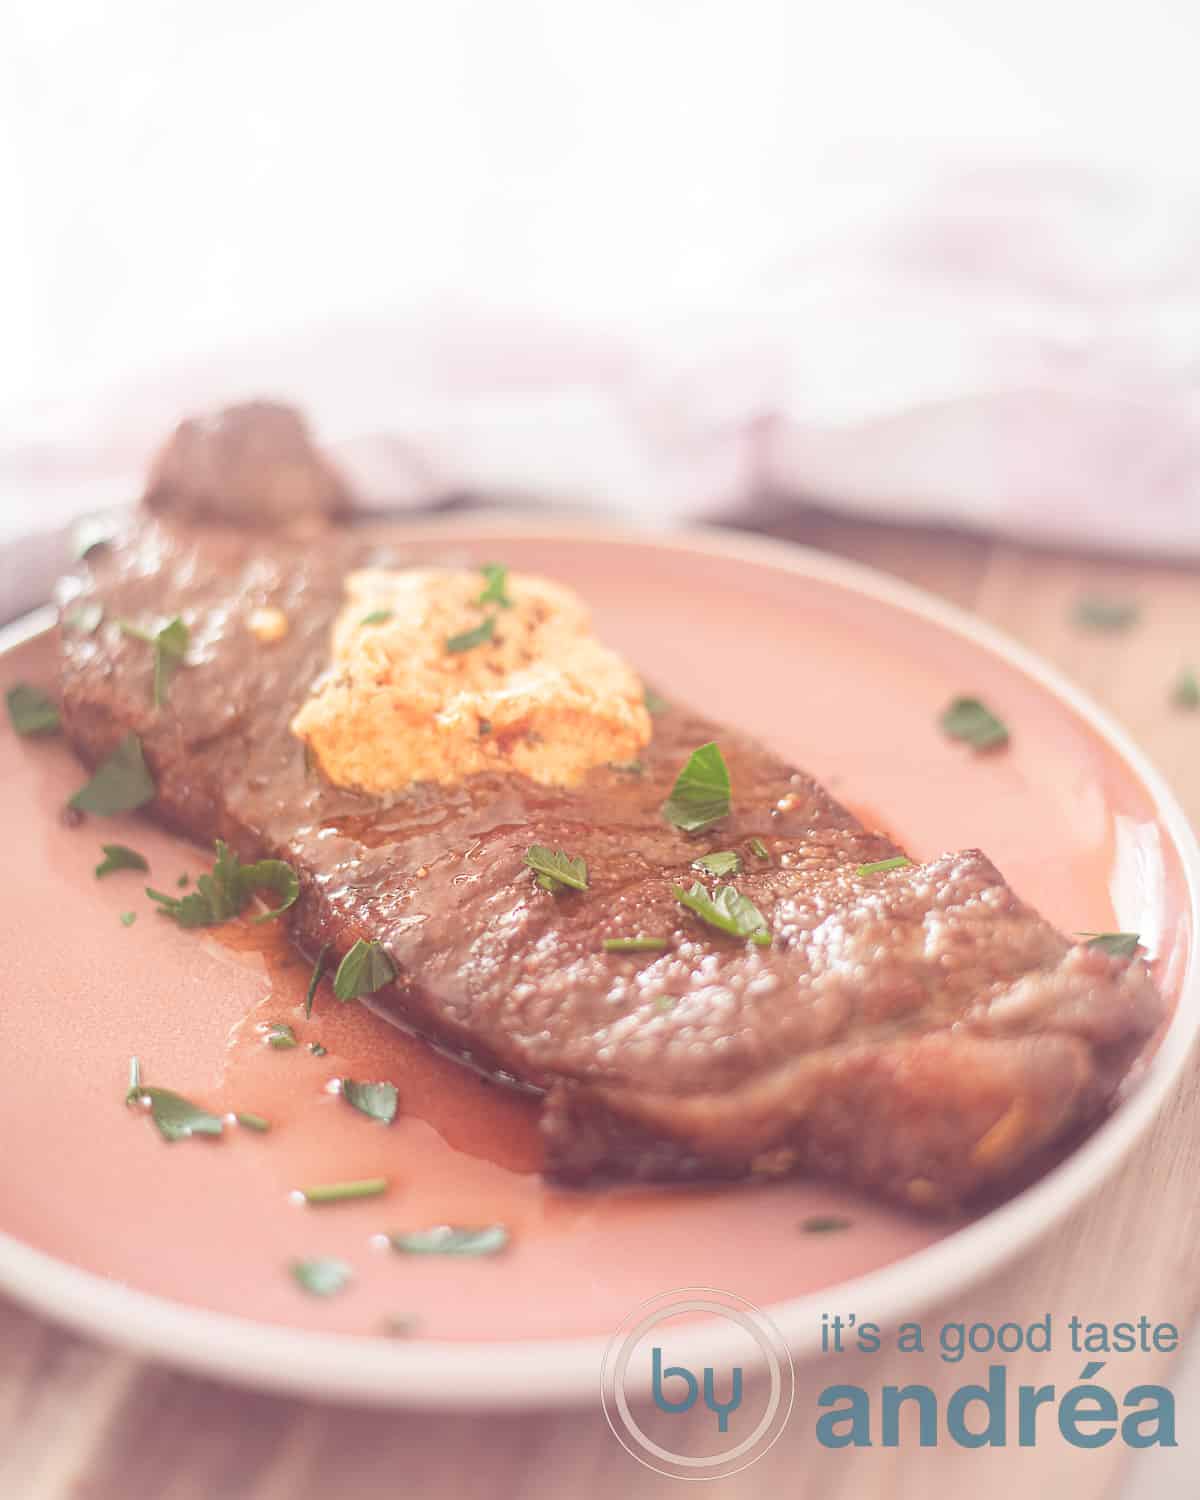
(920, 1032)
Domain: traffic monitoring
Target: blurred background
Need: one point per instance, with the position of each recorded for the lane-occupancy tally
(936, 259)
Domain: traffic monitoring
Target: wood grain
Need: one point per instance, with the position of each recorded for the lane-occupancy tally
(79, 1421)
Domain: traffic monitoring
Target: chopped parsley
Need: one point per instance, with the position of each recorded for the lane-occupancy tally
(725, 862)
(1118, 944)
(128, 918)
(322, 1277)
(377, 617)
(170, 647)
(1100, 612)
(253, 1122)
(700, 795)
(727, 910)
(177, 1118)
(375, 1100)
(119, 784)
(496, 575)
(824, 1224)
(655, 702)
(635, 945)
(1186, 692)
(345, 1192)
(222, 894)
(759, 849)
(365, 969)
(119, 857)
(31, 712)
(447, 1239)
(318, 970)
(317, 1049)
(555, 868)
(469, 639)
(970, 720)
(280, 1036)
(878, 866)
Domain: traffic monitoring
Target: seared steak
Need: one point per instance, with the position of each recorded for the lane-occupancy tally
(919, 1031)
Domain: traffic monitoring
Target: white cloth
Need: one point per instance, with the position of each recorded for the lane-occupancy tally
(656, 256)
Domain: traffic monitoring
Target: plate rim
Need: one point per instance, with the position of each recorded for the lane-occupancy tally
(523, 1374)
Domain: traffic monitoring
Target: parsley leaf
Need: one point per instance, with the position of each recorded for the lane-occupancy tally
(472, 638)
(727, 910)
(119, 784)
(497, 580)
(321, 1277)
(365, 969)
(222, 894)
(556, 868)
(970, 720)
(759, 849)
(634, 945)
(270, 875)
(170, 647)
(217, 897)
(280, 1036)
(1118, 944)
(177, 1118)
(701, 792)
(1099, 612)
(318, 970)
(30, 712)
(375, 1100)
(377, 617)
(725, 862)
(1186, 692)
(128, 918)
(447, 1239)
(119, 857)
(878, 866)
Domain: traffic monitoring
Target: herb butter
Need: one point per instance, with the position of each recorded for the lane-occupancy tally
(456, 675)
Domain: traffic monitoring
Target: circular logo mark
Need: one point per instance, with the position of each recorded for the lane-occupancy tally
(691, 1396)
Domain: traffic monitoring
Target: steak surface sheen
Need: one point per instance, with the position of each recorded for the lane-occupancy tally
(920, 1032)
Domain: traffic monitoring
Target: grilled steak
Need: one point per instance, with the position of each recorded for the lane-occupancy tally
(918, 1031)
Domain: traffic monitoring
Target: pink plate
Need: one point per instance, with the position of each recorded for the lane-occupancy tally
(182, 1250)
